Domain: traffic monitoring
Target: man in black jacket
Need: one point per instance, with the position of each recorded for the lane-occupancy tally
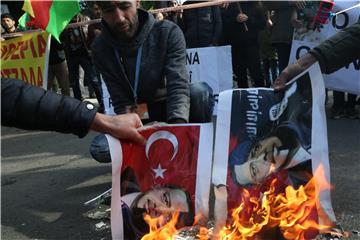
(242, 25)
(142, 61)
(29, 107)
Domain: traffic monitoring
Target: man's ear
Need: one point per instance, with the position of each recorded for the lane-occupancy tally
(137, 3)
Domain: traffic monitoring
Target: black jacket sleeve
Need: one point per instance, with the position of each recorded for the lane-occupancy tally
(339, 50)
(29, 107)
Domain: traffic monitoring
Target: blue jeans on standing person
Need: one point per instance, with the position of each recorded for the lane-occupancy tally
(201, 109)
(89, 74)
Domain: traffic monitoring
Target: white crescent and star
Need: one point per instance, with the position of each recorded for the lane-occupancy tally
(159, 172)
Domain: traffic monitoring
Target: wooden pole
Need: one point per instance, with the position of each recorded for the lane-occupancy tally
(189, 6)
(240, 11)
(160, 10)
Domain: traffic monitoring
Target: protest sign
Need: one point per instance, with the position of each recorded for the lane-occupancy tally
(26, 58)
(211, 65)
(269, 171)
(346, 79)
(172, 172)
(272, 142)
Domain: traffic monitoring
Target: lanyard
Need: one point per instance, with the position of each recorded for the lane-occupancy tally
(137, 72)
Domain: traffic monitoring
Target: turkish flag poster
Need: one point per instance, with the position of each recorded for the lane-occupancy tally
(172, 173)
(274, 182)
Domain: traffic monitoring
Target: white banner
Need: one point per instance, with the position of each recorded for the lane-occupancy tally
(212, 65)
(346, 79)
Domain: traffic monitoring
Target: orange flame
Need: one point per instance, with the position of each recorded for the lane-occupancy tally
(291, 212)
(160, 228)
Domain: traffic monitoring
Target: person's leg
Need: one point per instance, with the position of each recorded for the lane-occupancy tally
(283, 50)
(99, 149)
(273, 69)
(90, 75)
(254, 65)
(73, 66)
(201, 103)
(242, 76)
(266, 71)
(62, 76)
(51, 76)
(235, 61)
(338, 108)
(350, 111)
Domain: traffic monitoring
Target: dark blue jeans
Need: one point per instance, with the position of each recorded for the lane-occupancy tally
(201, 108)
(89, 74)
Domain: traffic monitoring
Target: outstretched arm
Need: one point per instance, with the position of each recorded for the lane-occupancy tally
(29, 107)
(333, 54)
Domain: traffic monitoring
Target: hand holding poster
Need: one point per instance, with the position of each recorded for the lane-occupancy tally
(26, 58)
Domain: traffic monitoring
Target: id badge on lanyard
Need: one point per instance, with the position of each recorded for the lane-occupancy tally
(140, 109)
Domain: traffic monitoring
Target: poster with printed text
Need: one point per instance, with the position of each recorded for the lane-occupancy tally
(170, 174)
(267, 146)
(26, 58)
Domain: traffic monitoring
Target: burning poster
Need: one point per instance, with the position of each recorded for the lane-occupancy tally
(169, 176)
(267, 148)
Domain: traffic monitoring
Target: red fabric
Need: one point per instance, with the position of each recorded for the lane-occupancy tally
(42, 13)
(181, 171)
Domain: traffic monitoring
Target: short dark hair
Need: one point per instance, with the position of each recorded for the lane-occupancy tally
(7, 15)
(185, 218)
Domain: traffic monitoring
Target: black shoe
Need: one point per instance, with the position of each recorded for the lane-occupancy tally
(337, 113)
(351, 113)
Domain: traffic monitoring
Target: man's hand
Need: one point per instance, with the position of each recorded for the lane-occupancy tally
(241, 17)
(120, 126)
(293, 70)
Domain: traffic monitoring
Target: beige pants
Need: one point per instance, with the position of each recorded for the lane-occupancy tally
(60, 71)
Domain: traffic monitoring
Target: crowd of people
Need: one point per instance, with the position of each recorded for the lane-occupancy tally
(150, 53)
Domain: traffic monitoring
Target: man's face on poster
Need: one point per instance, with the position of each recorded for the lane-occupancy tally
(265, 158)
(121, 17)
(163, 201)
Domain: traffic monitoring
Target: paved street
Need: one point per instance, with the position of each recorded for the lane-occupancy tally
(46, 178)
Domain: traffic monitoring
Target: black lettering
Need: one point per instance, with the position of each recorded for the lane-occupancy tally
(299, 50)
(190, 59)
(344, 25)
(196, 58)
(190, 75)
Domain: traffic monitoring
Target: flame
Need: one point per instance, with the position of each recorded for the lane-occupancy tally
(291, 212)
(160, 228)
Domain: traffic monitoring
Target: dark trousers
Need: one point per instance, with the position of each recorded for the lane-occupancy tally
(340, 103)
(283, 51)
(270, 66)
(247, 58)
(89, 74)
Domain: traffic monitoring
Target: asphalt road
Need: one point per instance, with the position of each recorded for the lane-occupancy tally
(46, 177)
